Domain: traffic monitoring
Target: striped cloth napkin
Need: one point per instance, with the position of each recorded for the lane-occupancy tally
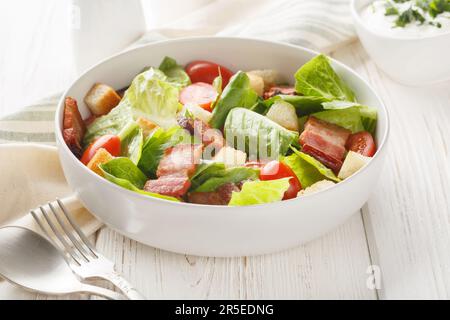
(322, 25)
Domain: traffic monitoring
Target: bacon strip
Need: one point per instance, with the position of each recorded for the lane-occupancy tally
(325, 142)
(277, 90)
(221, 196)
(181, 159)
(73, 126)
(210, 137)
(171, 185)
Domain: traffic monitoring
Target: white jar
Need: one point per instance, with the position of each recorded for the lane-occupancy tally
(101, 28)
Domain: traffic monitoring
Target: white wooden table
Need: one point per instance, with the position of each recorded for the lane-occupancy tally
(403, 231)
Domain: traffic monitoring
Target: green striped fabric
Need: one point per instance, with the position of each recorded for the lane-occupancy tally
(33, 124)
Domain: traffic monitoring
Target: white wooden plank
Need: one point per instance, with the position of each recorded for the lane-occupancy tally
(333, 267)
(407, 218)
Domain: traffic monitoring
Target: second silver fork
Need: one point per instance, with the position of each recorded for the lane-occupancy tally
(80, 254)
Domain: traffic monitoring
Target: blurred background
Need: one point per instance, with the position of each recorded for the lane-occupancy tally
(35, 43)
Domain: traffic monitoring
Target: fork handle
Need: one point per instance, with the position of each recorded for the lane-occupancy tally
(127, 289)
(101, 292)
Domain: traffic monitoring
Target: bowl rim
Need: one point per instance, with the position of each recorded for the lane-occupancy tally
(62, 146)
(357, 17)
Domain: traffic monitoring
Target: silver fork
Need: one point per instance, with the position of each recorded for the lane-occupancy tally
(80, 254)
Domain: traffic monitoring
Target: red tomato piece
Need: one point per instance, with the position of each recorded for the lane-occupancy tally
(199, 93)
(363, 143)
(109, 142)
(277, 170)
(205, 71)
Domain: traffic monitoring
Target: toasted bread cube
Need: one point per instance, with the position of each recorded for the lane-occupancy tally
(284, 114)
(316, 187)
(256, 83)
(270, 77)
(146, 125)
(352, 163)
(101, 99)
(100, 157)
(230, 157)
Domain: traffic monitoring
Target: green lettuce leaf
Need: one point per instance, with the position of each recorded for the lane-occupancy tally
(209, 177)
(304, 105)
(307, 169)
(259, 192)
(369, 117)
(244, 128)
(174, 72)
(154, 148)
(237, 93)
(318, 79)
(150, 96)
(131, 141)
(349, 118)
(124, 173)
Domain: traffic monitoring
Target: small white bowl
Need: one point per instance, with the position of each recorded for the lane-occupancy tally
(411, 61)
(218, 230)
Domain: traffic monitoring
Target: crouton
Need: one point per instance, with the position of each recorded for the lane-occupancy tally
(256, 83)
(270, 77)
(101, 99)
(100, 157)
(146, 125)
(231, 157)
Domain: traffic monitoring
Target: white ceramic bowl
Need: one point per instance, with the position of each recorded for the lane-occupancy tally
(411, 61)
(218, 230)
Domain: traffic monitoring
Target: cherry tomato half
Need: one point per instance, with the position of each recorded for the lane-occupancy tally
(277, 170)
(109, 142)
(199, 93)
(363, 143)
(205, 71)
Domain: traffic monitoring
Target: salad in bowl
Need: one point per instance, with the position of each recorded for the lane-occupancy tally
(206, 134)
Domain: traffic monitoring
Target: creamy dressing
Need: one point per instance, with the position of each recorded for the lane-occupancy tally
(374, 17)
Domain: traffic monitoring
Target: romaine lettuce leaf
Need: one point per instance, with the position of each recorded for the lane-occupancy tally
(259, 192)
(123, 172)
(349, 118)
(237, 93)
(124, 168)
(369, 118)
(304, 105)
(209, 177)
(154, 147)
(257, 135)
(307, 169)
(131, 141)
(150, 96)
(318, 79)
(368, 115)
(174, 72)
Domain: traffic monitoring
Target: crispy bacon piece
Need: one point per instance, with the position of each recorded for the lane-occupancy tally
(181, 159)
(73, 126)
(221, 196)
(208, 135)
(274, 91)
(325, 142)
(175, 185)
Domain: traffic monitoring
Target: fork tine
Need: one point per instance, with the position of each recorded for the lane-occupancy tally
(69, 234)
(76, 228)
(63, 241)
